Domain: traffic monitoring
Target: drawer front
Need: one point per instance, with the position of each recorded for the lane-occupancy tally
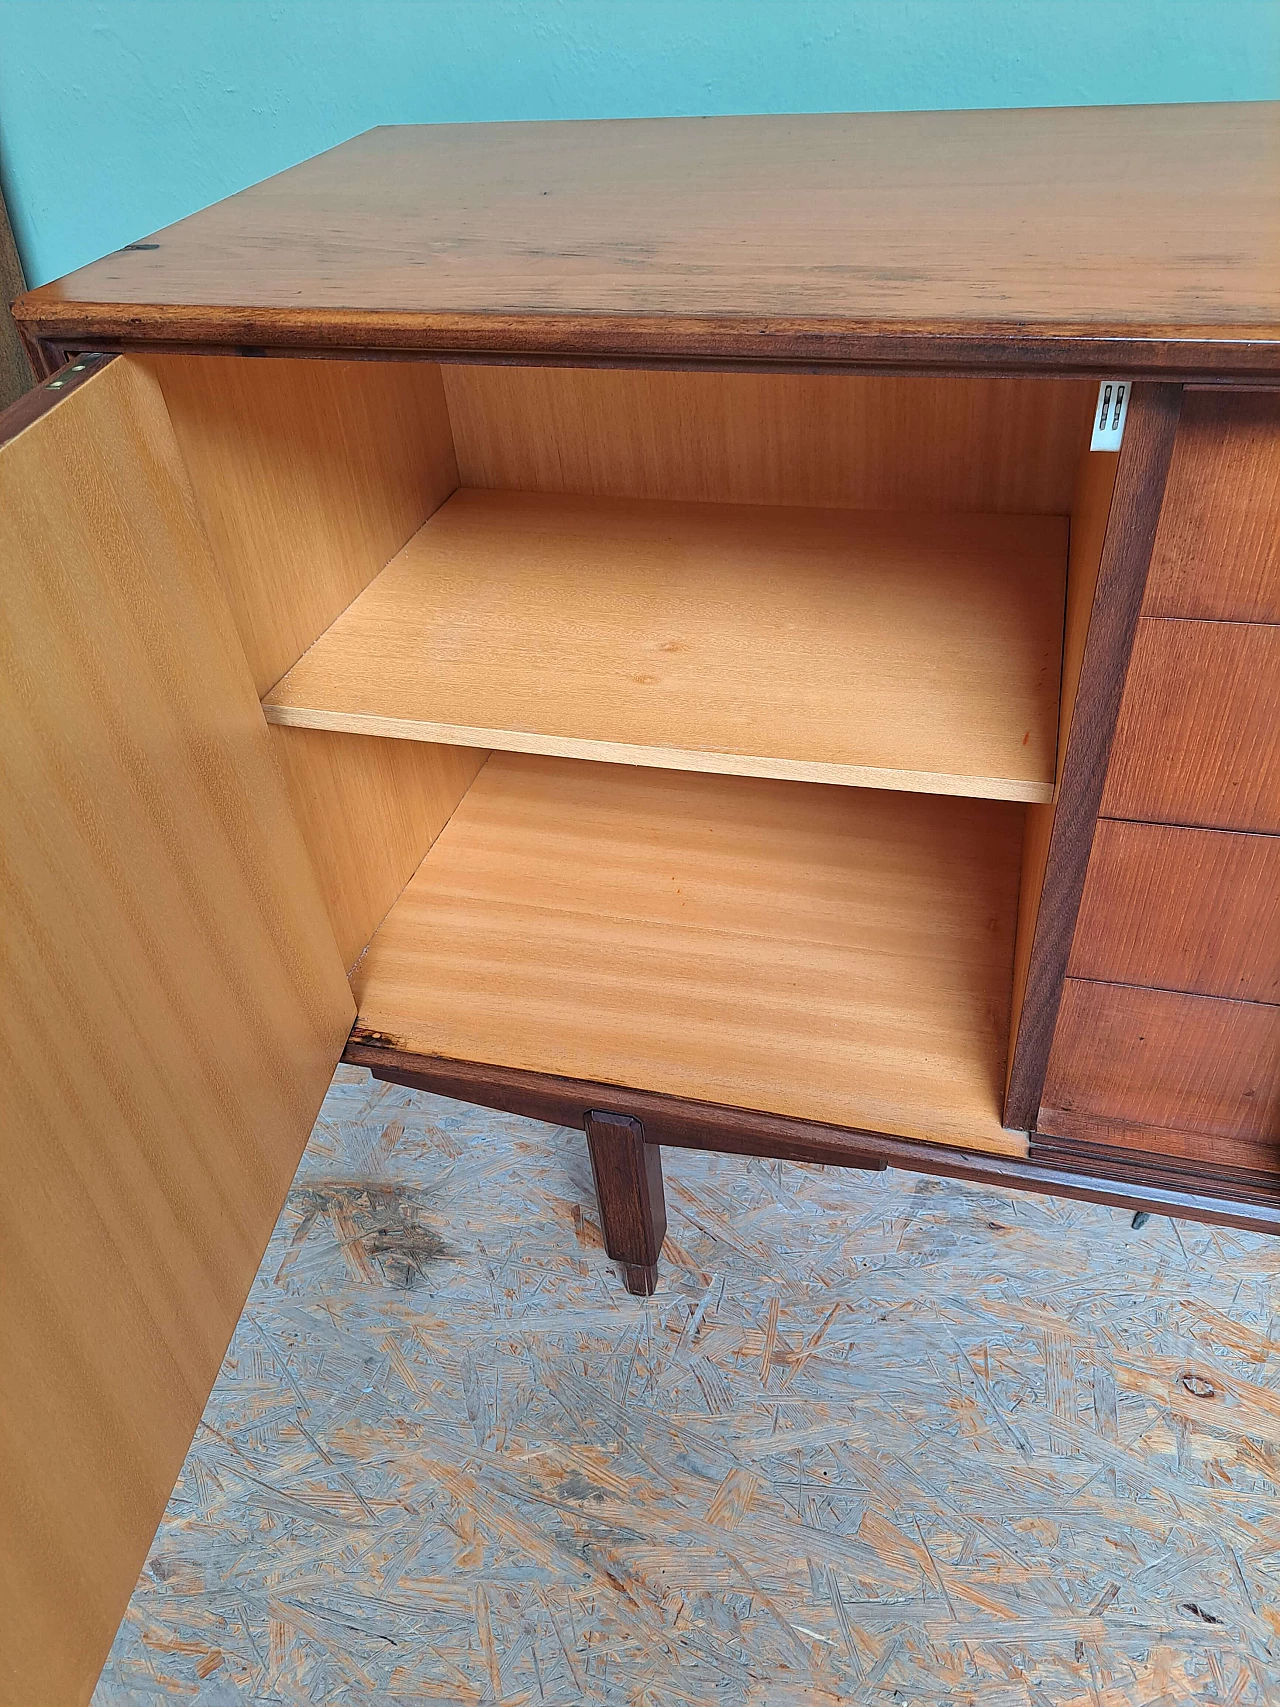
(1181, 909)
(1217, 551)
(1161, 1058)
(1198, 738)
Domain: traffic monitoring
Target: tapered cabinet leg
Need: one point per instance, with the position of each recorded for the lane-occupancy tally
(633, 1207)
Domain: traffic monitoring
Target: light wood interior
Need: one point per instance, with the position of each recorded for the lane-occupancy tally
(894, 650)
(826, 440)
(647, 566)
(368, 810)
(643, 566)
(801, 576)
(310, 476)
(171, 1010)
(839, 955)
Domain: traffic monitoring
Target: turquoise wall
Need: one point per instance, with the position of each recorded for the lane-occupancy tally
(119, 116)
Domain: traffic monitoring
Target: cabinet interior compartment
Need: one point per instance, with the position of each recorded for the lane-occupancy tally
(835, 954)
(678, 730)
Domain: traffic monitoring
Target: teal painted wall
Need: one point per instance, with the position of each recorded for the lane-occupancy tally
(120, 116)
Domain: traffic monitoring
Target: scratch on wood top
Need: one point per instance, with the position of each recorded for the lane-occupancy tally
(876, 1439)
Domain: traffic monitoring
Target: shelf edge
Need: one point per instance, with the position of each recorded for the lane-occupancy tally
(661, 758)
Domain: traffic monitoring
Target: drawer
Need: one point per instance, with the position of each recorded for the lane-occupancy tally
(1165, 1059)
(1182, 909)
(1217, 552)
(1198, 738)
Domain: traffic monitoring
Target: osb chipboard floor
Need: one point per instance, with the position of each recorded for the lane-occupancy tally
(877, 1439)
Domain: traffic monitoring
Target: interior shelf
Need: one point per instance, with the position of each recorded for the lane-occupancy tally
(841, 955)
(909, 651)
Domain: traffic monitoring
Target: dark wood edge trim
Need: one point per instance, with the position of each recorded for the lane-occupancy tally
(1172, 352)
(675, 1121)
(662, 362)
(30, 407)
(684, 1124)
(1122, 577)
(45, 358)
(1153, 1168)
(659, 362)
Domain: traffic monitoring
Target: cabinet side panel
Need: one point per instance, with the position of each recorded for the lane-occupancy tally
(1119, 518)
(311, 475)
(369, 809)
(171, 1010)
(1090, 507)
(848, 441)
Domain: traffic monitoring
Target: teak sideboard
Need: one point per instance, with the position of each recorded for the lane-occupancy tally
(623, 623)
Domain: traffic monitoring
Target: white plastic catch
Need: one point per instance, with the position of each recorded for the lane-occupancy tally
(1109, 416)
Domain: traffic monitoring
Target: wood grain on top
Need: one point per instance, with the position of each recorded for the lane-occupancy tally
(1147, 236)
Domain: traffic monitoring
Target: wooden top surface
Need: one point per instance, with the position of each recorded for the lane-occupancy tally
(1076, 238)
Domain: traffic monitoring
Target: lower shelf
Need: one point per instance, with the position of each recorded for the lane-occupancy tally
(833, 955)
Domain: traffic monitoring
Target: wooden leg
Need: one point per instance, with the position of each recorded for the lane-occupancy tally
(633, 1208)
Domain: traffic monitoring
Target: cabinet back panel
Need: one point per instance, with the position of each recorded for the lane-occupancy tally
(171, 1010)
(845, 441)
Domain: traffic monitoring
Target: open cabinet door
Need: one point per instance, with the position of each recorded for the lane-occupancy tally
(172, 1005)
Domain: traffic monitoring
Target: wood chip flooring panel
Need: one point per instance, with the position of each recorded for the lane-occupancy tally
(876, 1440)
(840, 955)
(907, 650)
